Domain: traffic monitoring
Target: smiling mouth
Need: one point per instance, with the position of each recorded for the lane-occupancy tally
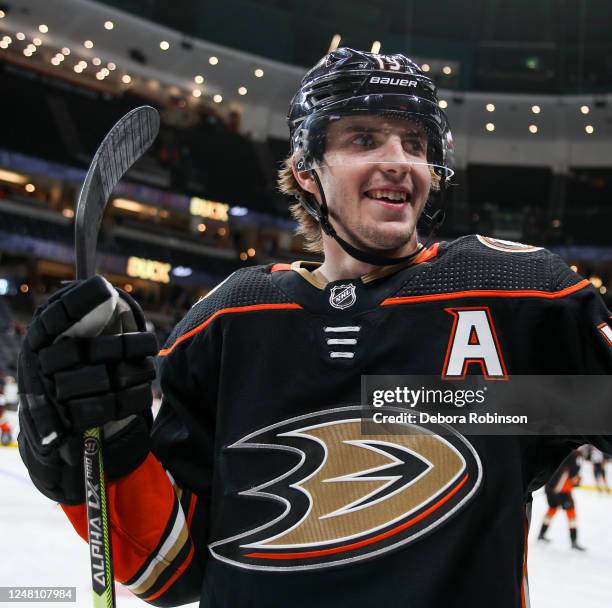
(395, 197)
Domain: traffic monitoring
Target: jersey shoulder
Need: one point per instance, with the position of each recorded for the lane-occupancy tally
(242, 289)
(475, 262)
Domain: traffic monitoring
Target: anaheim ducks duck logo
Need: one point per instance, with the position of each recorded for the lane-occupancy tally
(349, 496)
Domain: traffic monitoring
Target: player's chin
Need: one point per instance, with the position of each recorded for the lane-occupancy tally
(390, 236)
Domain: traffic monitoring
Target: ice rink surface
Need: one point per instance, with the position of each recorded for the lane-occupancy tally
(41, 548)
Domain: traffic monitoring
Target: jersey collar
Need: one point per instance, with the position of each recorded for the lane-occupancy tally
(305, 269)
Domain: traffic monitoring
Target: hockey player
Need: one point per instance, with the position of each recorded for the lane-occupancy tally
(6, 435)
(256, 486)
(599, 470)
(559, 494)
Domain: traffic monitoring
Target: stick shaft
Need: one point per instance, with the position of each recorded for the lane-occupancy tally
(98, 525)
(124, 144)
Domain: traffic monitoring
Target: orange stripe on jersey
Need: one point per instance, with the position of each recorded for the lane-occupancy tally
(278, 267)
(192, 504)
(427, 254)
(134, 537)
(173, 578)
(568, 486)
(488, 293)
(224, 311)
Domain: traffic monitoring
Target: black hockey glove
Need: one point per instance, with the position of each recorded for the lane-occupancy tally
(87, 361)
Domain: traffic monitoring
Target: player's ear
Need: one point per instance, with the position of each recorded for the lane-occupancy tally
(304, 178)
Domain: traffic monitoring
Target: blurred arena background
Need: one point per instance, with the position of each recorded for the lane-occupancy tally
(528, 92)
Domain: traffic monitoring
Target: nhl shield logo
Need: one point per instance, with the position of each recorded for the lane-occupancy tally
(343, 296)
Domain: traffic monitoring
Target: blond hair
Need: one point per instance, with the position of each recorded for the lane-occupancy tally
(308, 227)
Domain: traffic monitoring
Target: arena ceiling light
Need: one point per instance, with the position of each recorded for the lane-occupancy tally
(20, 36)
(164, 45)
(490, 107)
(375, 47)
(37, 41)
(585, 109)
(596, 281)
(589, 129)
(259, 72)
(536, 109)
(447, 70)
(126, 79)
(218, 98)
(213, 60)
(199, 79)
(109, 25)
(533, 129)
(426, 67)
(490, 127)
(2, 14)
(65, 51)
(242, 91)
(42, 28)
(443, 104)
(88, 44)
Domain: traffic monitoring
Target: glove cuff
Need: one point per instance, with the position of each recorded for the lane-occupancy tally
(64, 483)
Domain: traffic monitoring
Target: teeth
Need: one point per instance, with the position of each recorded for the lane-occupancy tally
(392, 195)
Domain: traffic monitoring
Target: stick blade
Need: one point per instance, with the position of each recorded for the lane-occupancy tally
(123, 145)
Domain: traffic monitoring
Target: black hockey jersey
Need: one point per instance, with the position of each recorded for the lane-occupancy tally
(279, 500)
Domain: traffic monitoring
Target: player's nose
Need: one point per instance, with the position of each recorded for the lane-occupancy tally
(393, 157)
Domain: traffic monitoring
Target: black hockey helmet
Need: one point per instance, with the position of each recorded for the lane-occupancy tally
(355, 82)
(347, 82)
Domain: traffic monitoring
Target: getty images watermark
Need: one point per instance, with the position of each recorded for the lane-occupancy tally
(415, 398)
(518, 405)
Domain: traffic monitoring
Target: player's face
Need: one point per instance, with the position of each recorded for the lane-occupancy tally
(376, 180)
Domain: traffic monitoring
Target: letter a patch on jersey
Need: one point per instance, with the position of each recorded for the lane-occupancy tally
(473, 341)
(606, 331)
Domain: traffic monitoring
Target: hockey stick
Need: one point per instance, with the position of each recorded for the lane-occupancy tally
(124, 144)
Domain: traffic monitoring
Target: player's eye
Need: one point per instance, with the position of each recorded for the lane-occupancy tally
(415, 145)
(364, 140)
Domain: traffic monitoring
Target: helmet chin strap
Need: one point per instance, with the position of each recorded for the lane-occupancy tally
(321, 214)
